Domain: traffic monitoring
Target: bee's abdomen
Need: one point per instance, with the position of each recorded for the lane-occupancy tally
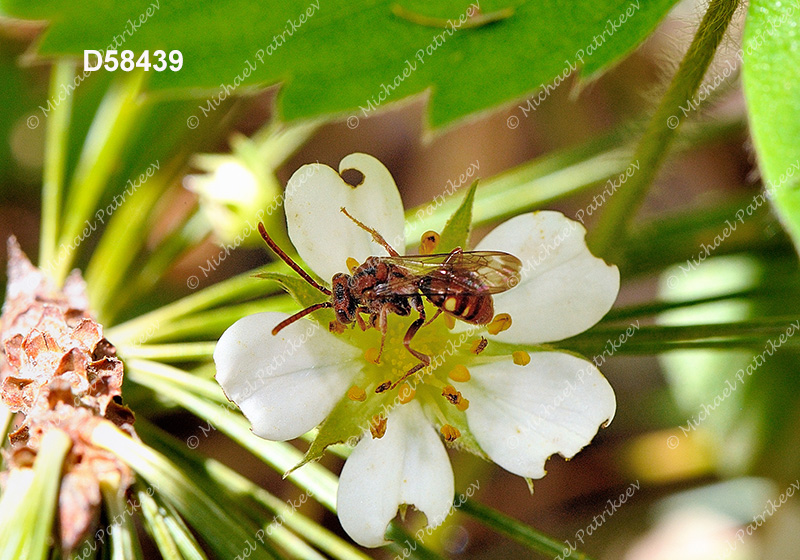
(475, 308)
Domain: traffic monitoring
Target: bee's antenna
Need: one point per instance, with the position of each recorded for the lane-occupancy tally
(299, 315)
(377, 237)
(288, 260)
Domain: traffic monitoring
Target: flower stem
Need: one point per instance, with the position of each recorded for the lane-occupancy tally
(518, 531)
(660, 131)
(656, 307)
(523, 188)
(153, 371)
(55, 154)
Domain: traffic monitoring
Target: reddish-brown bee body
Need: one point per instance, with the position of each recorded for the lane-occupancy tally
(458, 283)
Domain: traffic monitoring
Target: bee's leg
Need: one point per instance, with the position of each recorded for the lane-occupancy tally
(432, 319)
(383, 325)
(453, 253)
(424, 359)
(377, 237)
(360, 320)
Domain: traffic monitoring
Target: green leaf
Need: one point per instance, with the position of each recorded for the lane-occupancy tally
(28, 509)
(359, 54)
(771, 78)
(520, 532)
(122, 532)
(165, 526)
(223, 526)
(459, 226)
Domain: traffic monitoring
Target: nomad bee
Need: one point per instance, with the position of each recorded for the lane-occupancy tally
(459, 283)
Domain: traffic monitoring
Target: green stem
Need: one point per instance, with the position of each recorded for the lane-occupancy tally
(212, 323)
(121, 530)
(660, 131)
(281, 456)
(652, 347)
(769, 293)
(110, 266)
(172, 537)
(159, 261)
(681, 235)
(38, 509)
(241, 287)
(155, 372)
(238, 485)
(55, 156)
(104, 143)
(178, 352)
(518, 531)
(632, 339)
(223, 528)
(523, 188)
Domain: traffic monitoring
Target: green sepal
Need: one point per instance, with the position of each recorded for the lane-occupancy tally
(349, 419)
(459, 226)
(466, 441)
(303, 293)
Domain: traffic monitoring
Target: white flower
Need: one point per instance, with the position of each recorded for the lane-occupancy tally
(517, 415)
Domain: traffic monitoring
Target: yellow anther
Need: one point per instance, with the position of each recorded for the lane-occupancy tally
(377, 426)
(406, 393)
(449, 321)
(459, 373)
(372, 355)
(450, 433)
(356, 393)
(478, 345)
(463, 405)
(352, 264)
(521, 357)
(428, 242)
(385, 386)
(500, 323)
(454, 397)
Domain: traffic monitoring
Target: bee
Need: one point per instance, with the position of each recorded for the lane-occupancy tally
(459, 283)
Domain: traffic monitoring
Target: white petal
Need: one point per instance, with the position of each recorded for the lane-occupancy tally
(408, 465)
(564, 288)
(285, 384)
(323, 236)
(521, 415)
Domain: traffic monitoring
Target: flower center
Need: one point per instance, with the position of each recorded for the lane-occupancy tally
(386, 378)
